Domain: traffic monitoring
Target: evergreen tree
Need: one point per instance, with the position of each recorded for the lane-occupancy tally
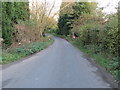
(11, 13)
(69, 15)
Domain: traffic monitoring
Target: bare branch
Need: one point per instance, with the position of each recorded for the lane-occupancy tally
(51, 9)
(61, 9)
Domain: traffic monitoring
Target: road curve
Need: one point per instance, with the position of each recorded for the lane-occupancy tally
(59, 66)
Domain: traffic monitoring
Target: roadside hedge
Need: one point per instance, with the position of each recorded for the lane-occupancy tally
(11, 13)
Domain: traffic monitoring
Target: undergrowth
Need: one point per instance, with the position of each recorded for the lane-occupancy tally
(24, 50)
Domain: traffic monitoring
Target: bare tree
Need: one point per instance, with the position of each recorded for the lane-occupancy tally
(41, 14)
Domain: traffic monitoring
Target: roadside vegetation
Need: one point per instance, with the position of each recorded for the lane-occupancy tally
(82, 23)
(23, 29)
(92, 32)
(24, 50)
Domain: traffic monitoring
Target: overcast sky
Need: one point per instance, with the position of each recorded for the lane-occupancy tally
(108, 5)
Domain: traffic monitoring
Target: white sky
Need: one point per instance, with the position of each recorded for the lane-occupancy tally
(108, 5)
(49, 5)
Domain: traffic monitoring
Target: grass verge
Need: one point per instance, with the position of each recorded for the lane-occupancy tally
(110, 65)
(24, 50)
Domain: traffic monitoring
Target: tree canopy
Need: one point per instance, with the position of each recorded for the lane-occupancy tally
(70, 13)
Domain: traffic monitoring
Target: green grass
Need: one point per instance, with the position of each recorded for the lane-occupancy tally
(24, 50)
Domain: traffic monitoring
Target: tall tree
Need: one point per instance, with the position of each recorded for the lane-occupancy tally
(70, 14)
(65, 18)
(42, 15)
(11, 13)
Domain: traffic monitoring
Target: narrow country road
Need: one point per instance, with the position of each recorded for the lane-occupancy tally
(59, 66)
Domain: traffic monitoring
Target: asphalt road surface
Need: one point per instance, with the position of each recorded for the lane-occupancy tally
(59, 66)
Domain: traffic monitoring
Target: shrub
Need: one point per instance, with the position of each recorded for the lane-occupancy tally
(24, 50)
(11, 13)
